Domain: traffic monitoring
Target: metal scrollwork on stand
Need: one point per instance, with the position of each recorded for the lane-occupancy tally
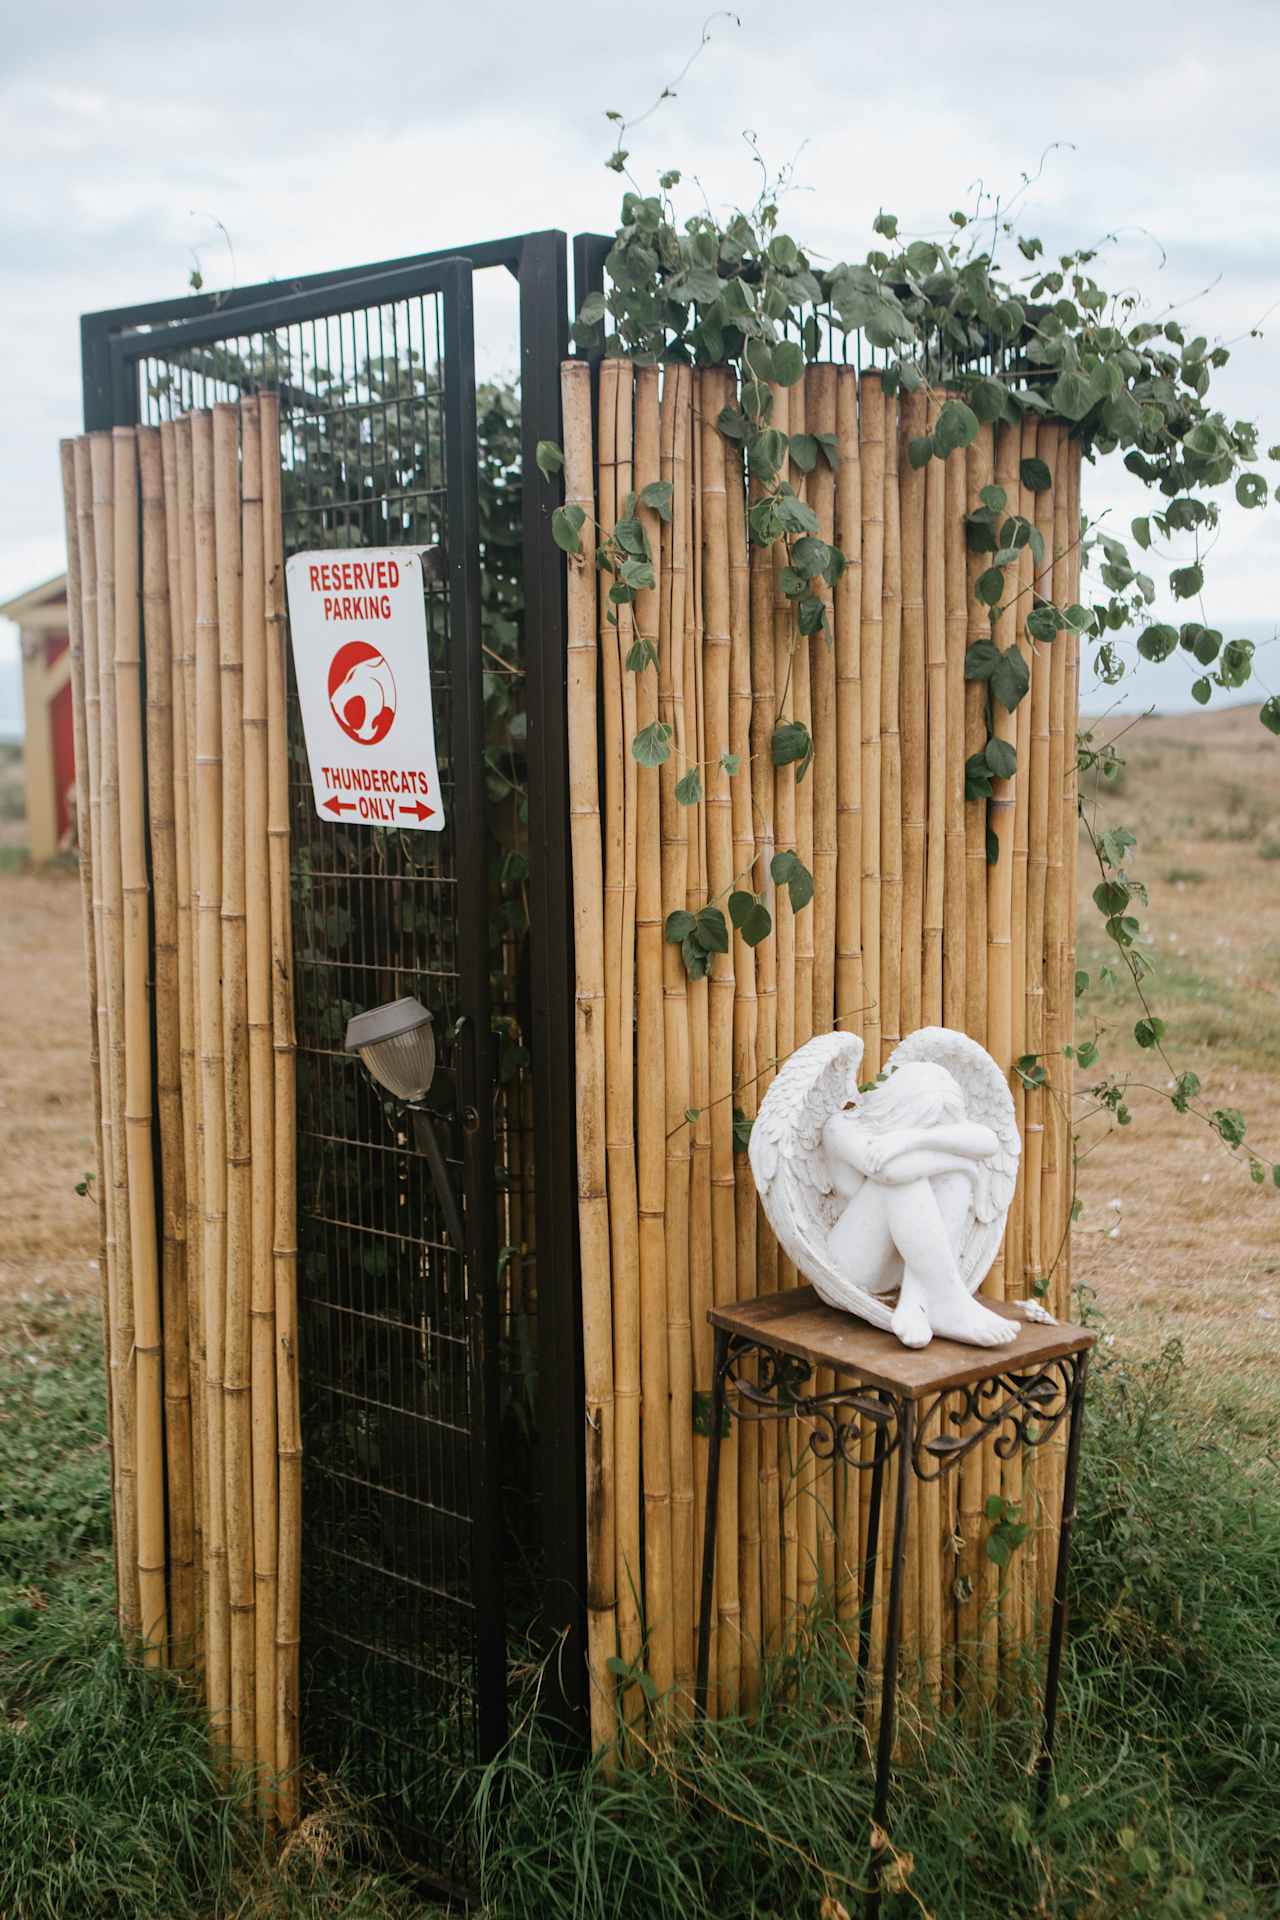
(1021, 1409)
(775, 1394)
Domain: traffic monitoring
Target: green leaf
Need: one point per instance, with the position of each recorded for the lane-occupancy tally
(1045, 623)
(1035, 475)
(1111, 897)
(791, 742)
(788, 363)
(994, 499)
(1073, 394)
(678, 927)
(1086, 1053)
(592, 311)
(549, 458)
(830, 446)
(1251, 490)
(920, 451)
(710, 931)
(566, 525)
(1001, 758)
(787, 869)
(733, 423)
(1185, 582)
(1011, 678)
(990, 586)
(981, 660)
(1202, 692)
(957, 427)
(658, 496)
(1141, 530)
(977, 777)
(804, 451)
(697, 961)
(1270, 713)
(689, 788)
(652, 745)
(999, 1549)
(751, 917)
(741, 1131)
(1158, 642)
(641, 654)
(731, 763)
(1149, 1033)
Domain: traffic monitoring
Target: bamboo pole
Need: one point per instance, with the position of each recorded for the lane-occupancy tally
(871, 439)
(651, 1109)
(590, 1055)
(935, 623)
(675, 1017)
(785, 839)
(284, 1245)
(237, 1415)
(745, 1020)
(701, 1217)
(976, 1588)
(913, 711)
(161, 811)
(1071, 856)
(1049, 449)
(213, 1176)
(955, 937)
(620, 852)
(148, 1349)
(820, 415)
(849, 993)
(891, 891)
(257, 900)
(820, 921)
(175, 458)
(111, 1039)
(1002, 817)
(82, 646)
(763, 710)
(925, 746)
(717, 645)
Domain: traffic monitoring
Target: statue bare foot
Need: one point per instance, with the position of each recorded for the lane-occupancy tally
(911, 1322)
(956, 1315)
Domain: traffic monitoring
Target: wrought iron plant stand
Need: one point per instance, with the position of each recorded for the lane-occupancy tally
(929, 1406)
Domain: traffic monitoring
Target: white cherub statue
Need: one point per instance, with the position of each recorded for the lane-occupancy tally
(903, 1188)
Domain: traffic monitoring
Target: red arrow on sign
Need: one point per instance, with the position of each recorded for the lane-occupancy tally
(340, 806)
(423, 812)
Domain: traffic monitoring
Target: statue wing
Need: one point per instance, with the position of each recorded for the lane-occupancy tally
(987, 1100)
(790, 1165)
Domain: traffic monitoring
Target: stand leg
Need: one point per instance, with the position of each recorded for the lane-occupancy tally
(868, 1594)
(1058, 1624)
(709, 1518)
(892, 1638)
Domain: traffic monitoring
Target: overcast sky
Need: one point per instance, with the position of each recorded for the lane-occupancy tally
(329, 135)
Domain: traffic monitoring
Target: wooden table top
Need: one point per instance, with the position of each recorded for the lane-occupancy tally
(797, 1322)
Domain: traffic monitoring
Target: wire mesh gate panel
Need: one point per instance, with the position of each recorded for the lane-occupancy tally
(419, 1367)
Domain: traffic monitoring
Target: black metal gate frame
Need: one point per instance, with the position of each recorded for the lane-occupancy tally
(113, 342)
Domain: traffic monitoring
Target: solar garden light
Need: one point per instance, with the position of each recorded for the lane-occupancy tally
(397, 1048)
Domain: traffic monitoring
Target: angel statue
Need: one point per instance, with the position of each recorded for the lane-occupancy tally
(903, 1188)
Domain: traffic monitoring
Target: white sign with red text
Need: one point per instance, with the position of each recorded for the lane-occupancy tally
(358, 623)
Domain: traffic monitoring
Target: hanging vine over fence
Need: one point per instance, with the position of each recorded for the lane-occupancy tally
(988, 347)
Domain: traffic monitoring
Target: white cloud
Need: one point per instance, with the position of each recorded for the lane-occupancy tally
(326, 136)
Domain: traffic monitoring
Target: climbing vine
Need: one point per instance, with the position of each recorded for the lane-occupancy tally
(1043, 337)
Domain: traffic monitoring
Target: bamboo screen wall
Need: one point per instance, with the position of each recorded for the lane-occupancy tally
(175, 559)
(910, 924)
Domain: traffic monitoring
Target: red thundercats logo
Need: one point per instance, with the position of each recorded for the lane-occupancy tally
(362, 692)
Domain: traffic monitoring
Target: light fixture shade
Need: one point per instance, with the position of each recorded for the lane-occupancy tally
(397, 1044)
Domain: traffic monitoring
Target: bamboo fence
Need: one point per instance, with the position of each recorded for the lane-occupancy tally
(911, 924)
(175, 569)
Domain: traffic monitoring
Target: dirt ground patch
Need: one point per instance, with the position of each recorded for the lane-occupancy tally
(1174, 1239)
(48, 1241)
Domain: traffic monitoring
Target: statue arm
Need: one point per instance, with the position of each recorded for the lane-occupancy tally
(925, 1163)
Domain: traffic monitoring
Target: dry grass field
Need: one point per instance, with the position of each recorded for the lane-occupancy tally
(1174, 1238)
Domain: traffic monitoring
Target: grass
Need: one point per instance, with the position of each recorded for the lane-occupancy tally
(1164, 1804)
(110, 1807)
